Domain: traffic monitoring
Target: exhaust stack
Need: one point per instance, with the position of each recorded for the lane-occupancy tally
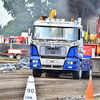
(79, 20)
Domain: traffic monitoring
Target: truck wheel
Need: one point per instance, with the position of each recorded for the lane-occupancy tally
(47, 74)
(11, 56)
(78, 74)
(37, 73)
(85, 74)
(88, 74)
(55, 74)
(18, 56)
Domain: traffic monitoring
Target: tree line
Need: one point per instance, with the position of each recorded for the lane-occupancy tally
(24, 13)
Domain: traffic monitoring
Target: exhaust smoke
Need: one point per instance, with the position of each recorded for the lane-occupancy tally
(83, 7)
(86, 9)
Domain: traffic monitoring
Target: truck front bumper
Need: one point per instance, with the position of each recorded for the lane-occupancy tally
(53, 64)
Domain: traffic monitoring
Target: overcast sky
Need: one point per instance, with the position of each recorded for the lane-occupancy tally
(4, 17)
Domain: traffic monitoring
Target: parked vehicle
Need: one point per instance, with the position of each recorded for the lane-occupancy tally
(92, 35)
(18, 53)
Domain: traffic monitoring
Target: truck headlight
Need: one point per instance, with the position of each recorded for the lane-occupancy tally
(68, 62)
(35, 61)
(71, 62)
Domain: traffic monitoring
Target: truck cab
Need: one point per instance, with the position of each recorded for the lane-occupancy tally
(17, 39)
(57, 47)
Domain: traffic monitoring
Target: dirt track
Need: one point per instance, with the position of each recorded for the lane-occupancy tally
(13, 84)
(4, 61)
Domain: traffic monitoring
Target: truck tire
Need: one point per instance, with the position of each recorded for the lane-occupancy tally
(78, 74)
(18, 56)
(88, 74)
(55, 75)
(11, 56)
(85, 74)
(48, 74)
(37, 72)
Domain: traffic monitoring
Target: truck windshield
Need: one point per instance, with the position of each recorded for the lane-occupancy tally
(55, 33)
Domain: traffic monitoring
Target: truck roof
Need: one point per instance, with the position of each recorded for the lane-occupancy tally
(57, 23)
(16, 37)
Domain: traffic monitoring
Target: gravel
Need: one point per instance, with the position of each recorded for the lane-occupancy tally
(23, 63)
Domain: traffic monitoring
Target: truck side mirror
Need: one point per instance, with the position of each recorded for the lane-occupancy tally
(29, 31)
(83, 34)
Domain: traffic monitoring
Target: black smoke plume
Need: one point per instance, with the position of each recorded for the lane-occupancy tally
(86, 9)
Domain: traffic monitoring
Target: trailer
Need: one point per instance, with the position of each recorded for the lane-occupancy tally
(18, 53)
(96, 64)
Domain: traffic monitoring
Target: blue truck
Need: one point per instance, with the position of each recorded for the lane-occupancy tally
(57, 47)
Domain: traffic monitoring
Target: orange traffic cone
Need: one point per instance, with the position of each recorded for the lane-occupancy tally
(89, 93)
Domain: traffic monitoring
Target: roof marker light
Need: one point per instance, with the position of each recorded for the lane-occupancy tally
(72, 20)
(41, 18)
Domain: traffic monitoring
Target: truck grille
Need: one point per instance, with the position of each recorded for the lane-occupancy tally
(50, 57)
(51, 67)
(57, 51)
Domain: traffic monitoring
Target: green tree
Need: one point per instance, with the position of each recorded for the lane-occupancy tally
(15, 27)
(1, 29)
(21, 18)
(14, 7)
(41, 7)
(24, 13)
